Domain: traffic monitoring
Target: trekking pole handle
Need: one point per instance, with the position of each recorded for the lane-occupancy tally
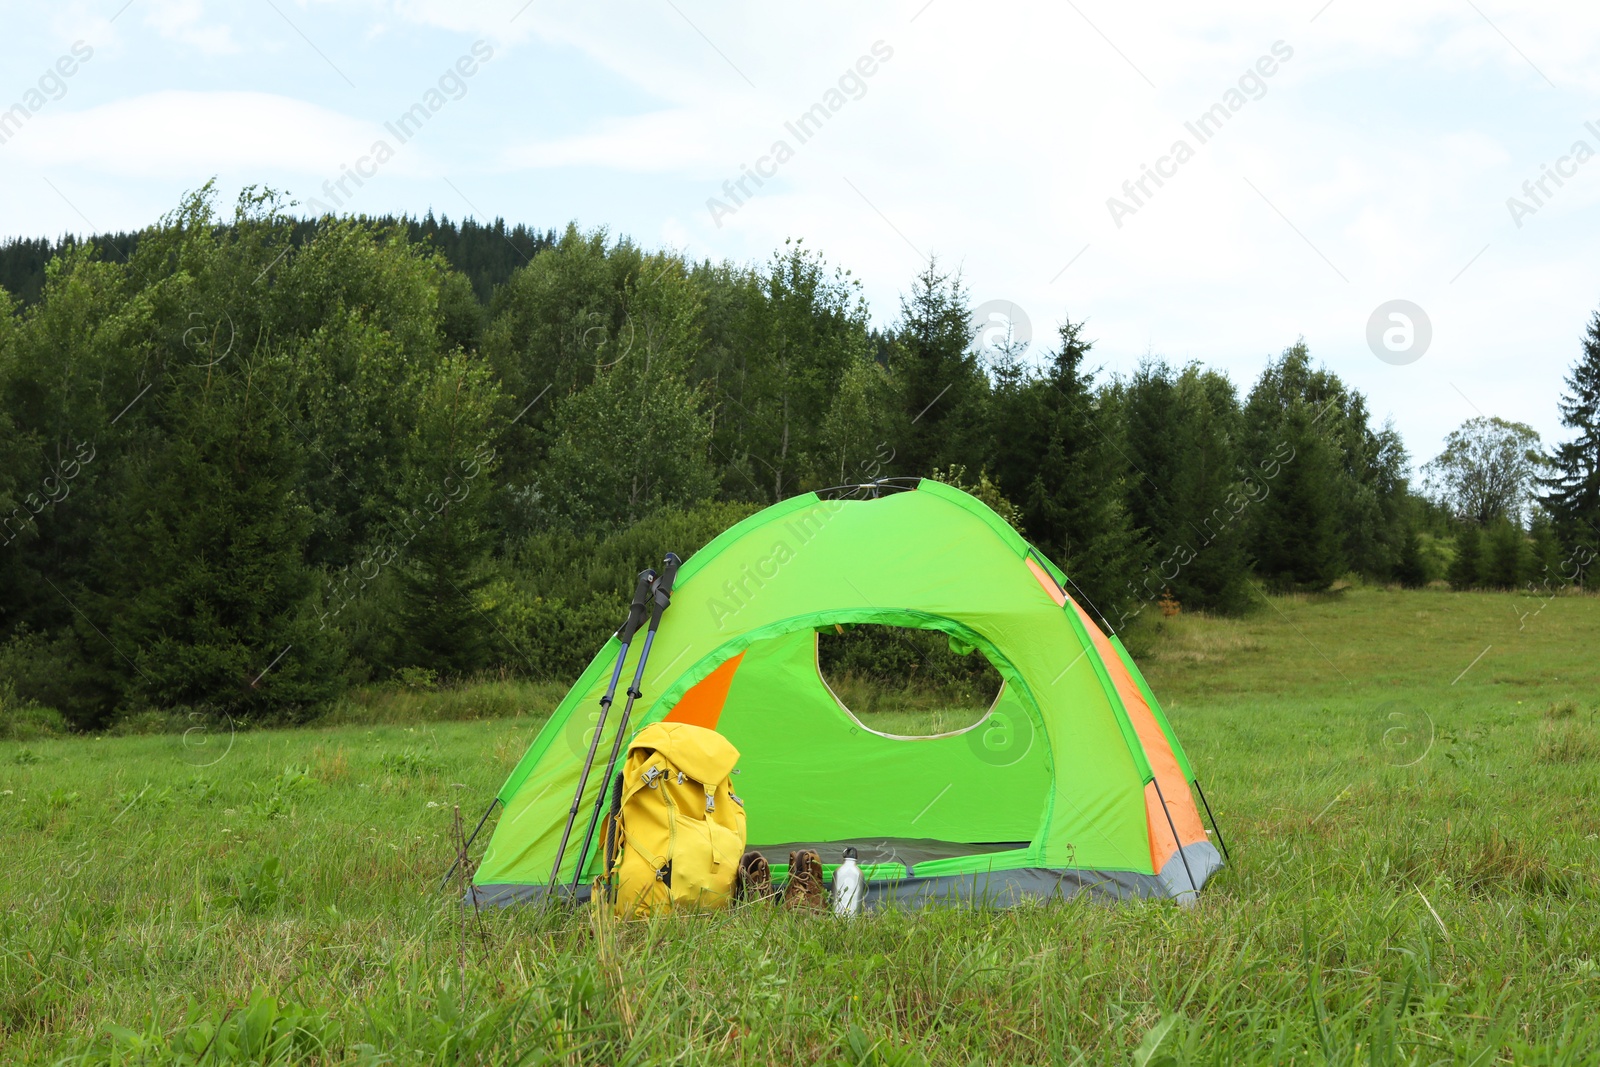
(663, 588)
(641, 597)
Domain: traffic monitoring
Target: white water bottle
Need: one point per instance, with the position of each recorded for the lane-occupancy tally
(849, 886)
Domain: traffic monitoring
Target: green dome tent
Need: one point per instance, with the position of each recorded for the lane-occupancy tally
(1074, 781)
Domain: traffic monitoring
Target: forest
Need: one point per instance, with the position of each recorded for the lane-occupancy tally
(250, 460)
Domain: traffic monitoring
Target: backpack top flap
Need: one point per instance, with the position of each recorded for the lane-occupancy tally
(704, 755)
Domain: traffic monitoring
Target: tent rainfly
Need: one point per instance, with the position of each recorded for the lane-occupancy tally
(1073, 782)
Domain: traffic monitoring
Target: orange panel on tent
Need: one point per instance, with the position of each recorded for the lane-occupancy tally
(1048, 582)
(702, 704)
(1169, 776)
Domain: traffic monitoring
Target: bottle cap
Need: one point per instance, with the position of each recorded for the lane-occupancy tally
(849, 853)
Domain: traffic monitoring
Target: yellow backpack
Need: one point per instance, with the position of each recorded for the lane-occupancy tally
(680, 832)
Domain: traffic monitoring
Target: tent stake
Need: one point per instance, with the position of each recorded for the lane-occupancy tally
(468, 845)
(1214, 827)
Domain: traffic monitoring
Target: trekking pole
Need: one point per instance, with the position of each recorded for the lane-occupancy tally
(641, 595)
(662, 591)
(611, 837)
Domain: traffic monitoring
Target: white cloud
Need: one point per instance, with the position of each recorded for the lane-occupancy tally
(179, 134)
(674, 140)
(180, 20)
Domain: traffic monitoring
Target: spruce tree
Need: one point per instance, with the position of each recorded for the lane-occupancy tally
(1182, 437)
(202, 592)
(1293, 476)
(12, 450)
(1376, 519)
(1360, 476)
(1572, 492)
(1411, 570)
(1545, 557)
(1150, 418)
(1506, 555)
(1057, 460)
(1298, 533)
(442, 542)
(1466, 568)
(942, 385)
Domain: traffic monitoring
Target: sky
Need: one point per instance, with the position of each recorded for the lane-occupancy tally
(1304, 165)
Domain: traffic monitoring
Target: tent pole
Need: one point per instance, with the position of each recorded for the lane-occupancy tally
(1215, 828)
(630, 627)
(468, 845)
(661, 590)
(1109, 628)
(1194, 886)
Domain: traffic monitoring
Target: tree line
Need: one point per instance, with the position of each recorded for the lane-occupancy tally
(249, 460)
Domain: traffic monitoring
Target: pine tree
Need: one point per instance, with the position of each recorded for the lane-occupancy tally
(1572, 493)
(1466, 569)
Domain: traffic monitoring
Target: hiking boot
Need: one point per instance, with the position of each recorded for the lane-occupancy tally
(753, 883)
(804, 888)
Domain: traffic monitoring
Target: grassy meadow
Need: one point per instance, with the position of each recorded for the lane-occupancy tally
(1406, 780)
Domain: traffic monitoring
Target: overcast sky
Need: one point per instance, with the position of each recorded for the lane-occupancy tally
(1357, 153)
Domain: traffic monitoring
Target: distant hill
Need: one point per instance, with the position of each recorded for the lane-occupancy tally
(487, 253)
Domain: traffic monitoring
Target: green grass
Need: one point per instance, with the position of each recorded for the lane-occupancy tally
(1414, 881)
